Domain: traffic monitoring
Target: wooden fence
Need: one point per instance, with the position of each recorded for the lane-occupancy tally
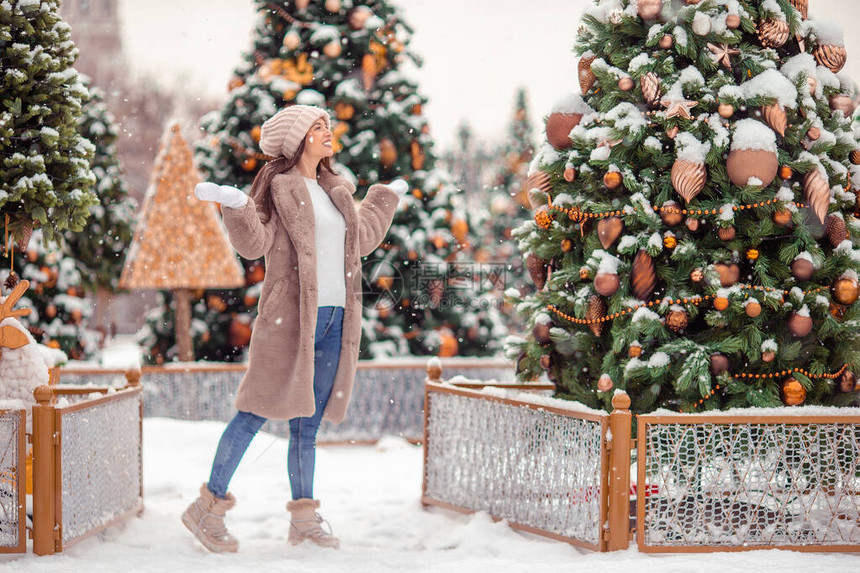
(708, 482)
(87, 471)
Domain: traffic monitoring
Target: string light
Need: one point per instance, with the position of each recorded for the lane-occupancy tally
(694, 300)
(577, 215)
(744, 375)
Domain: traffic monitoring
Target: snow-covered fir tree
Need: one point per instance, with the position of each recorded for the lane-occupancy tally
(100, 251)
(421, 295)
(61, 307)
(507, 206)
(45, 177)
(695, 212)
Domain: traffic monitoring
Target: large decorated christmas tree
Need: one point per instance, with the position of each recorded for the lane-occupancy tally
(420, 295)
(695, 221)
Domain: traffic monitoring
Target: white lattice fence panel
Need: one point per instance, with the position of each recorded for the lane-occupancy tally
(100, 465)
(12, 426)
(751, 484)
(532, 467)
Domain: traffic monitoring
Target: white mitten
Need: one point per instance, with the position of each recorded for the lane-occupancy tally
(399, 186)
(224, 194)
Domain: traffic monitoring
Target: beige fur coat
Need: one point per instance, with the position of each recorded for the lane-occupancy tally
(279, 381)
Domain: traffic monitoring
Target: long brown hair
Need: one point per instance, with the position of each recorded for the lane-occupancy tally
(261, 188)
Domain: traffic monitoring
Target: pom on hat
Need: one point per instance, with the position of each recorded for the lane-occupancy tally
(282, 133)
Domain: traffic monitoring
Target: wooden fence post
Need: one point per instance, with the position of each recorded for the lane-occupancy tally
(620, 421)
(44, 512)
(132, 380)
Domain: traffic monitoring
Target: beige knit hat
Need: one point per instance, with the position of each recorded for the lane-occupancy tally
(283, 132)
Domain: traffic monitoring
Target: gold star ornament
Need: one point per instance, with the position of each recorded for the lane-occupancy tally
(679, 108)
(723, 53)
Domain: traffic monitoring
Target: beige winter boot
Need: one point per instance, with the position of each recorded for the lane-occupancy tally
(205, 519)
(306, 523)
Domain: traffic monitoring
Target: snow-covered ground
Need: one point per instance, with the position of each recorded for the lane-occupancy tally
(371, 496)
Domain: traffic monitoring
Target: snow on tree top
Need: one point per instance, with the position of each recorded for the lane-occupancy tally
(689, 77)
(325, 34)
(691, 149)
(643, 59)
(310, 97)
(607, 10)
(800, 64)
(608, 263)
(805, 255)
(771, 10)
(827, 32)
(771, 84)
(571, 104)
(628, 117)
(543, 318)
(752, 134)
(659, 360)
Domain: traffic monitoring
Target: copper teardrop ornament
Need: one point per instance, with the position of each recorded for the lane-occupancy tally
(816, 191)
(643, 276)
(688, 178)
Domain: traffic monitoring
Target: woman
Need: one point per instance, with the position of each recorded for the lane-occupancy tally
(303, 353)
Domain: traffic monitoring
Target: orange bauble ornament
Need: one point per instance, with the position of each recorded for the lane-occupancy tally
(792, 392)
(671, 214)
(721, 303)
(460, 229)
(255, 133)
(606, 284)
(448, 345)
(249, 164)
(742, 164)
(781, 218)
(845, 290)
(239, 333)
(612, 180)
(799, 325)
(387, 152)
(604, 383)
(344, 111)
(752, 308)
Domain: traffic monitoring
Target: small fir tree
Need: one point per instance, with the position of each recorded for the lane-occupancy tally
(45, 175)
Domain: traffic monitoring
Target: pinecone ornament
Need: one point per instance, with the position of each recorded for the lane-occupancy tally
(677, 319)
(650, 83)
(586, 76)
(596, 311)
(537, 268)
(836, 229)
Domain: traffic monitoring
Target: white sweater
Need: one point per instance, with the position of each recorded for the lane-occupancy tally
(330, 231)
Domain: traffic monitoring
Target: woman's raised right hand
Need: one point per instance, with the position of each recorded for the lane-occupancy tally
(224, 194)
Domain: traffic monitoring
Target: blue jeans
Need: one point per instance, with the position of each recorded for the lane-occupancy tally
(301, 456)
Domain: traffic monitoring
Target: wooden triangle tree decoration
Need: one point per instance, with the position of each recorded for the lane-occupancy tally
(179, 243)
